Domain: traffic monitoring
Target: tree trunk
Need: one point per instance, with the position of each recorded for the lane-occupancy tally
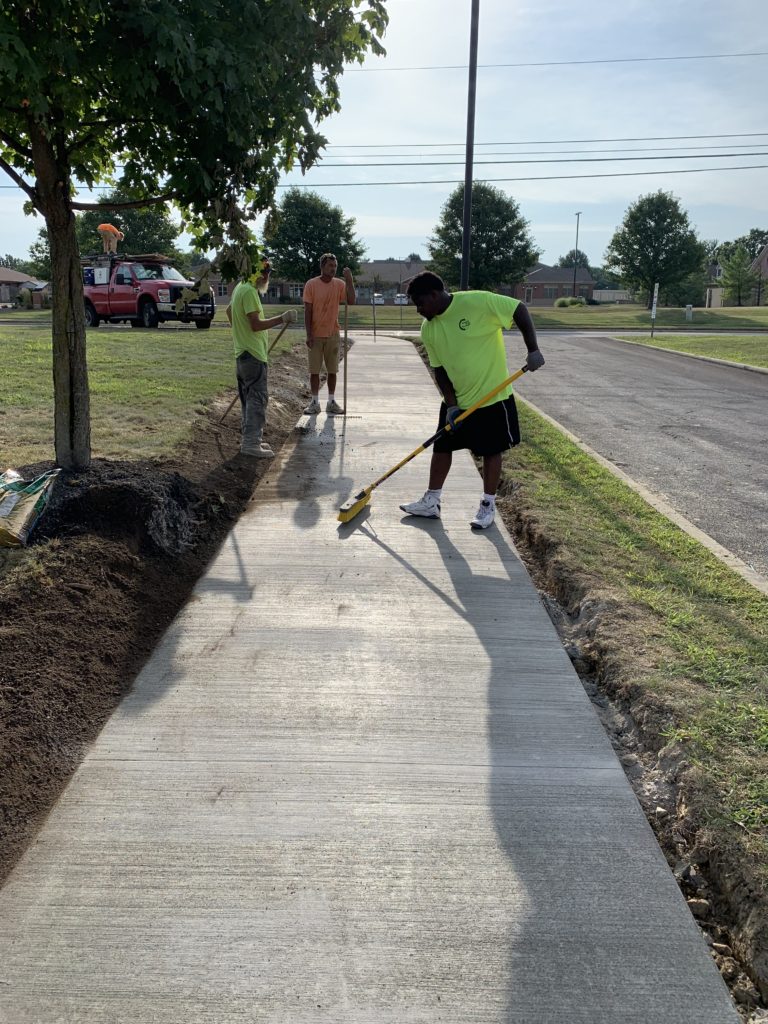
(72, 415)
(72, 418)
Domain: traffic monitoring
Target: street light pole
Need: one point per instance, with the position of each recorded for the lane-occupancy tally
(470, 150)
(576, 253)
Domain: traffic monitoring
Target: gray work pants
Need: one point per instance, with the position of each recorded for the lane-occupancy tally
(252, 386)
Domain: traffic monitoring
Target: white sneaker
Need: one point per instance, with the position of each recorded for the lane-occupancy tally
(484, 516)
(262, 451)
(312, 408)
(333, 408)
(427, 506)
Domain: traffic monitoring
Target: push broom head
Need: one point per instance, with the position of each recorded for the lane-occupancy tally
(354, 506)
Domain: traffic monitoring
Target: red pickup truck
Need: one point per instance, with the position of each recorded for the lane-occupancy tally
(144, 291)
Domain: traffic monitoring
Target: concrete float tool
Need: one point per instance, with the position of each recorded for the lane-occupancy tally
(357, 503)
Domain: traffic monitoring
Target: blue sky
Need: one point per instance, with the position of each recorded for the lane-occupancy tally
(531, 105)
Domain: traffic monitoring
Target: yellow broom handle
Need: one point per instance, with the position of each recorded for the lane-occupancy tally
(447, 427)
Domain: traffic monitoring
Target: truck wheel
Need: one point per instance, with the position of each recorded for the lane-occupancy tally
(91, 316)
(149, 314)
(202, 325)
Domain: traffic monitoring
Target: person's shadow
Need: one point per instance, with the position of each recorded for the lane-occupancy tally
(559, 803)
(306, 476)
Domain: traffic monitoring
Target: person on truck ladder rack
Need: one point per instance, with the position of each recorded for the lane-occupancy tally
(110, 236)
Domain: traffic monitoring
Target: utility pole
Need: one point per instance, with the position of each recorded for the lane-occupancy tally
(470, 149)
(576, 253)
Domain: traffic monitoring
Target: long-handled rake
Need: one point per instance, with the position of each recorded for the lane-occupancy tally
(272, 345)
(358, 502)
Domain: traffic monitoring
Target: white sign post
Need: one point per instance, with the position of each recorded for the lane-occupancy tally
(653, 307)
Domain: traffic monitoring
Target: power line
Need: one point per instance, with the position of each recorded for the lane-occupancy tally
(548, 177)
(575, 160)
(545, 142)
(540, 152)
(567, 63)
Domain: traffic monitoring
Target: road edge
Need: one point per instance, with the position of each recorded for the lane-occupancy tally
(752, 576)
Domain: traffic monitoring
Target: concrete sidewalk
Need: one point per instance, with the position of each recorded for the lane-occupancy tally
(358, 783)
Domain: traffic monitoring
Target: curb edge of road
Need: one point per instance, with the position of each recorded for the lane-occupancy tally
(692, 355)
(752, 576)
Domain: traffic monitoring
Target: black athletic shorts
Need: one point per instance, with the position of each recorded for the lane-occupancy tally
(488, 431)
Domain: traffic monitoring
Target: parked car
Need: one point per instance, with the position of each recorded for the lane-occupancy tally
(378, 299)
(401, 299)
(144, 291)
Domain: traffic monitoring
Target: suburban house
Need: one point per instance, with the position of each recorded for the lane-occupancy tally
(716, 292)
(11, 283)
(543, 284)
(388, 278)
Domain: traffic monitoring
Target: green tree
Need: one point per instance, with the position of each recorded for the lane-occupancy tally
(654, 243)
(146, 229)
(11, 262)
(754, 242)
(302, 227)
(738, 278)
(581, 259)
(501, 248)
(39, 263)
(203, 103)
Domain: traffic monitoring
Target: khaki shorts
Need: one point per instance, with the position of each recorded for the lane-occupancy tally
(324, 350)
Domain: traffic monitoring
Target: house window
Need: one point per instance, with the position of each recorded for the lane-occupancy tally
(549, 291)
(295, 291)
(221, 290)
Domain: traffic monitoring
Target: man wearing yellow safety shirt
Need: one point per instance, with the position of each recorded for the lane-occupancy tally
(250, 332)
(462, 335)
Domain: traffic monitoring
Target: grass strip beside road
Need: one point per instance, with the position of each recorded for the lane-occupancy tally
(745, 348)
(694, 639)
(147, 389)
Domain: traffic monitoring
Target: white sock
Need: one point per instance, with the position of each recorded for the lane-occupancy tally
(331, 398)
(490, 499)
(435, 495)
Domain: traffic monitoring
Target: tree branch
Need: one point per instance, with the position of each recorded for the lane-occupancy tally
(137, 203)
(29, 189)
(14, 144)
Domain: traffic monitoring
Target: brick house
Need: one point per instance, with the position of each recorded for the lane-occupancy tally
(11, 283)
(543, 284)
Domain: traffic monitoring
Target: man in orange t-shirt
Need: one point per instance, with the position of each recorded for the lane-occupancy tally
(322, 297)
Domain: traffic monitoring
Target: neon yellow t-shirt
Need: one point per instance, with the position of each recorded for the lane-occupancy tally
(466, 340)
(245, 300)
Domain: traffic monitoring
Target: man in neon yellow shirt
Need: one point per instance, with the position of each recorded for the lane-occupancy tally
(250, 332)
(462, 334)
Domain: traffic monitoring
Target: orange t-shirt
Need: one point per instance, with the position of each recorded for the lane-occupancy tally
(325, 298)
(110, 228)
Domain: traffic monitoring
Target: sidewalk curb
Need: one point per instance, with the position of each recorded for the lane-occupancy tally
(692, 355)
(752, 576)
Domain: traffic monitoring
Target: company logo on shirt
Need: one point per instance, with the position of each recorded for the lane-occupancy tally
(463, 324)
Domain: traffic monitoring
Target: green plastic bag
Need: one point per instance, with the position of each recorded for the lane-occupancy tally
(21, 505)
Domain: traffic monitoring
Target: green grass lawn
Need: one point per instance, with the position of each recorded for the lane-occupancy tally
(750, 349)
(701, 633)
(613, 317)
(147, 387)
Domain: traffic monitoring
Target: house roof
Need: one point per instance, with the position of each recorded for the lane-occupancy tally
(8, 276)
(542, 274)
(389, 271)
(758, 261)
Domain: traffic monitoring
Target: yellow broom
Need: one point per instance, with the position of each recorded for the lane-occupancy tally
(358, 502)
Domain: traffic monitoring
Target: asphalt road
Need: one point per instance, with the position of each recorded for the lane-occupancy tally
(693, 432)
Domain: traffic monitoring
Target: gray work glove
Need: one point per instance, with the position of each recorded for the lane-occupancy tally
(535, 360)
(289, 316)
(452, 413)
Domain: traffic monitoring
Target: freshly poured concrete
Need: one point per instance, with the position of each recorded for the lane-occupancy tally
(358, 782)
